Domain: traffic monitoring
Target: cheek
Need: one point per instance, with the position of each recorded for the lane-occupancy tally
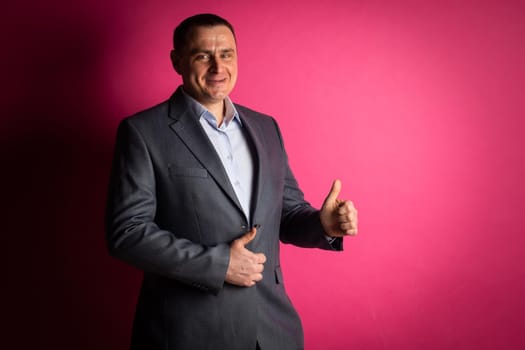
(197, 71)
(198, 77)
(233, 69)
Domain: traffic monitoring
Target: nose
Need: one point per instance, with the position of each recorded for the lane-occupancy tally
(216, 65)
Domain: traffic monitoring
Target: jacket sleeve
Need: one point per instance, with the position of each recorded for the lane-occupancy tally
(131, 232)
(300, 222)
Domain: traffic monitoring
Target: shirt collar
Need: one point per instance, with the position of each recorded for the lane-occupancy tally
(230, 112)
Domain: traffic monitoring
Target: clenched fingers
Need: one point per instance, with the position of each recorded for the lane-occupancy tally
(347, 217)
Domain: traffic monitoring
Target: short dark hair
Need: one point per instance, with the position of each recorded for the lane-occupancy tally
(180, 34)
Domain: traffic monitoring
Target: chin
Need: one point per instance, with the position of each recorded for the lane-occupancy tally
(219, 95)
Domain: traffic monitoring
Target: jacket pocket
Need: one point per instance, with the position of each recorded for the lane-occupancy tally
(187, 172)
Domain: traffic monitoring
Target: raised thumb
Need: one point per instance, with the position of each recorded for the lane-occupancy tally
(334, 192)
(248, 236)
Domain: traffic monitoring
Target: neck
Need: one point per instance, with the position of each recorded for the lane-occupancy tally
(218, 110)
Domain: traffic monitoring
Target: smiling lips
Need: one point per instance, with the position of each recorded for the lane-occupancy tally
(215, 81)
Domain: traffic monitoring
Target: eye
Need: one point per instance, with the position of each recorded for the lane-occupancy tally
(202, 57)
(227, 55)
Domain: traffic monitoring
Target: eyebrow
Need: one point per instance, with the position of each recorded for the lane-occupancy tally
(209, 52)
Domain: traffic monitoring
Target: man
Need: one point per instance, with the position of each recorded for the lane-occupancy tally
(200, 195)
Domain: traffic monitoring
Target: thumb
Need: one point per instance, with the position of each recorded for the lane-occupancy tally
(334, 192)
(247, 237)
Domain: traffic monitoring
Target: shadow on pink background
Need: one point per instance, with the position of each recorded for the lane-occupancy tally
(417, 107)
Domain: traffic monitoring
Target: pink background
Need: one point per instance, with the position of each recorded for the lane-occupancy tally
(418, 107)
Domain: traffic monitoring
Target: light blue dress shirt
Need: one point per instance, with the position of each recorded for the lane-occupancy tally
(232, 148)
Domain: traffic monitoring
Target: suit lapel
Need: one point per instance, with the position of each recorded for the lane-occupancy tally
(189, 130)
(253, 134)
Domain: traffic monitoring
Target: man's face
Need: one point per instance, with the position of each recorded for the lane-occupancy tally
(208, 64)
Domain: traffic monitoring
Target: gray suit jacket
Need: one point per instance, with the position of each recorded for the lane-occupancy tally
(172, 212)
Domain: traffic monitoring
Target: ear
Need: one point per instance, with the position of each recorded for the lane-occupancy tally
(175, 61)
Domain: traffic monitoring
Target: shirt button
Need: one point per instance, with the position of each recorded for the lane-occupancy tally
(237, 183)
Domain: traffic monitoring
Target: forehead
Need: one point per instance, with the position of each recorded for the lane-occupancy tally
(219, 37)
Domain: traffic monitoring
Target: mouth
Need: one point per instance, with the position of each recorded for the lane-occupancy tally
(216, 81)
